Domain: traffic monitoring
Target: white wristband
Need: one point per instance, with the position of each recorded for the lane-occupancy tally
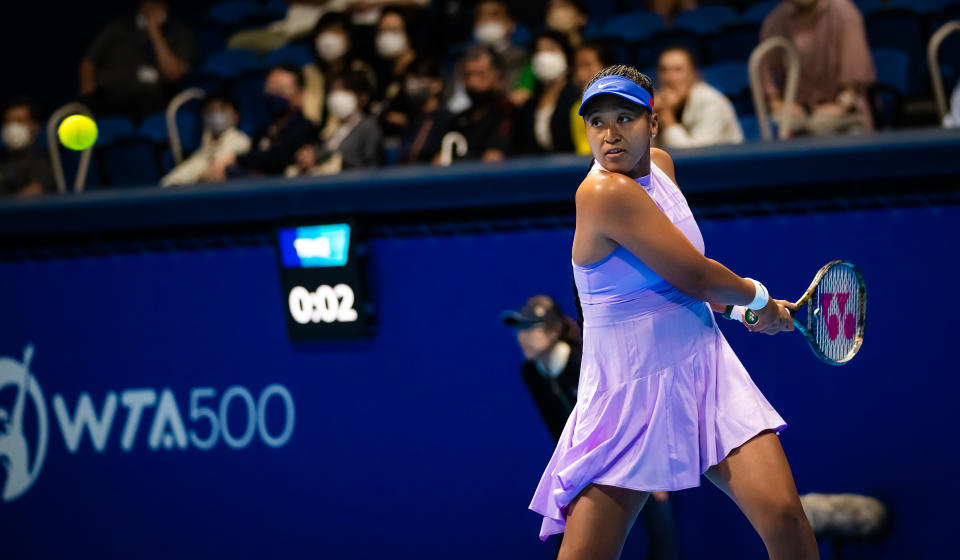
(761, 297)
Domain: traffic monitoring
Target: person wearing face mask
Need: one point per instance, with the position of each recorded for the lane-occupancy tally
(136, 62)
(221, 140)
(288, 130)
(589, 58)
(24, 169)
(487, 124)
(394, 55)
(429, 119)
(544, 123)
(334, 55)
(836, 67)
(692, 112)
(568, 17)
(494, 26)
(351, 139)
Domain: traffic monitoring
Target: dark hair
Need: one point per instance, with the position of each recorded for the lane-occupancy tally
(602, 50)
(476, 52)
(425, 67)
(558, 38)
(223, 96)
(356, 81)
(332, 19)
(569, 328)
(690, 56)
(292, 69)
(24, 101)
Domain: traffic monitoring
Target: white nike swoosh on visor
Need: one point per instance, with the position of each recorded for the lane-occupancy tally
(603, 85)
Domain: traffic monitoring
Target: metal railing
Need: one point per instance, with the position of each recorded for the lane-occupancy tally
(452, 141)
(936, 77)
(173, 131)
(790, 88)
(53, 146)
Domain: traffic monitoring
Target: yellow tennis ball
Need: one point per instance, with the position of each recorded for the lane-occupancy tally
(77, 132)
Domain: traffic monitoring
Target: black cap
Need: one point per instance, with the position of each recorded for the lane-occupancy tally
(537, 310)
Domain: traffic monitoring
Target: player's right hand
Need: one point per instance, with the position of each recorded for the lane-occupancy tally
(774, 317)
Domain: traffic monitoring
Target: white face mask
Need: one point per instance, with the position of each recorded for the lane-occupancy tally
(549, 65)
(391, 44)
(217, 122)
(342, 103)
(331, 46)
(490, 32)
(16, 136)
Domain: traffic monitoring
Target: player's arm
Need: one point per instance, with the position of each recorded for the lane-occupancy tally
(628, 216)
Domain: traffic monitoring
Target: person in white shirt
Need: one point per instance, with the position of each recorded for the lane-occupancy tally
(220, 138)
(692, 112)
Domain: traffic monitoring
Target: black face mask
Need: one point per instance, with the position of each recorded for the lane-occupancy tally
(480, 98)
(276, 106)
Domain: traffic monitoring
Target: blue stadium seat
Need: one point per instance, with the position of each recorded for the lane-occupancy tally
(756, 13)
(131, 162)
(733, 42)
(730, 78)
(230, 63)
(275, 9)
(299, 55)
(248, 91)
(648, 53)
(112, 127)
(902, 29)
(233, 12)
(71, 163)
(154, 128)
(751, 130)
(893, 68)
(707, 19)
(633, 26)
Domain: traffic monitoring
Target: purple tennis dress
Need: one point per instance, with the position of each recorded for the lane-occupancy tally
(662, 396)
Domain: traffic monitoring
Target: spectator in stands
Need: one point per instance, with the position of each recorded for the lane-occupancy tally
(287, 132)
(835, 65)
(351, 138)
(668, 9)
(135, 62)
(952, 119)
(544, 124)
(590, 58)
(395, 53)
(430, 119)
(692, 112)
(568, 17)
(221, 140)
(24, 169)
(488, 124)
(334, 55)
(494, 26)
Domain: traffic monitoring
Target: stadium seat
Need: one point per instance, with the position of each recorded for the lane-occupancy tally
(902, 29)
(275, 9)
(230, 63)
(131, 162)
(751, 130)
(248, 91)
(707, 19)
(647, 53)
(111, 127)
(733, 42)
(733, 80)
(298, 55)
(756, 13)
(233, 12)
(638, 25)
(154, 128)
(893, 67)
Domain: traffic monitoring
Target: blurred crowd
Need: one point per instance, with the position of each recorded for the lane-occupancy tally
(349, 85)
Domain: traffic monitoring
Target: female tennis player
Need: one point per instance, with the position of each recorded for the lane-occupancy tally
(662, 397)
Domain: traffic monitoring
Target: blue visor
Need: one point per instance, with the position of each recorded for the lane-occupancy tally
(619, 86)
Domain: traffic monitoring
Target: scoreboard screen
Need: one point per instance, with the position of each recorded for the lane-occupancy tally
(324, 286)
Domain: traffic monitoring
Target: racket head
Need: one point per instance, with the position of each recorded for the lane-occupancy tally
(836, 312)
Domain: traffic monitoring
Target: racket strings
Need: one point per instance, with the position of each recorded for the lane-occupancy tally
(838, 299)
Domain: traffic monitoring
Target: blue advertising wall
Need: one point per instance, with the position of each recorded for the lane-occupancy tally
(421, 441)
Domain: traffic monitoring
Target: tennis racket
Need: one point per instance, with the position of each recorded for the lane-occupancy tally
(836, 312)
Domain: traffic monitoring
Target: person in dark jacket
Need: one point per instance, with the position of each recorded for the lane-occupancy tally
(288, 131)
(544, 123)
(551, 344)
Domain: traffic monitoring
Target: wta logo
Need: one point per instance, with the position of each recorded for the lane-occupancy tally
(20, 460)
(234, 417)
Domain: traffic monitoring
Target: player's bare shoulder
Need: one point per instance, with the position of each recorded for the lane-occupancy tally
(601, 187)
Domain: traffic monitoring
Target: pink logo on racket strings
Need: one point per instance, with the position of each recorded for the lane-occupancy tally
(840, 317)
